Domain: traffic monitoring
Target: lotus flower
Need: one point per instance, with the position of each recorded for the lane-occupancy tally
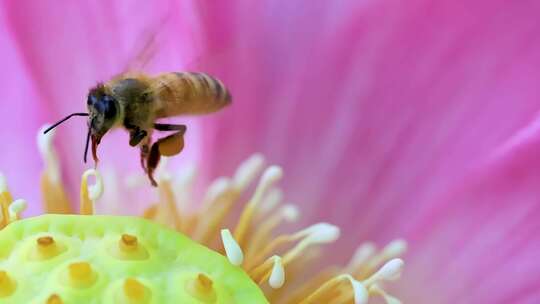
(414, 120)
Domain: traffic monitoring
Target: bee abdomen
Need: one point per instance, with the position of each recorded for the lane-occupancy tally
(190, 93)
(206, 87)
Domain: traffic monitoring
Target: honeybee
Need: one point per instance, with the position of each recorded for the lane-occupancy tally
(135, 101)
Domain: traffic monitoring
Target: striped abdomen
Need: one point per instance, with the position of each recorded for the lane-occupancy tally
(188, 93)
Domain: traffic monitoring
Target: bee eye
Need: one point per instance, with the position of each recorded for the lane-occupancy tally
(109, 107)
(91, 100)
(107, 99)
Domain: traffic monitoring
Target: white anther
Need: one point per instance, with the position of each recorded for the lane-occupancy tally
(161, 172)
(3, 183)
(375, 289)
(96, 190)
(186, 175)
(271, 175)
(182, 185)
(362, 254)
(290, 213)
(45, 140)
(270, 200)
(277, 276)
(394, 249)
(232, 249)
(164, 176)
(388, 272)
(247, 171)
(217, 187)
(183, 181)
(48, 154)
(319, 233)
(16, 208)
(360, 292)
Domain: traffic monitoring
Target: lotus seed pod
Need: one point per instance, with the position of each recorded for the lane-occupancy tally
(57, 259)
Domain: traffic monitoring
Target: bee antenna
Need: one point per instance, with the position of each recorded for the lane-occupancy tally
(64, 119)
(87, 142)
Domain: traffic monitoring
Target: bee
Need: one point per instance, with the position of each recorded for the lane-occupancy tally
(134, 101)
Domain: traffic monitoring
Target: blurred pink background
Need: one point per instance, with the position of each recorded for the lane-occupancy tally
(414, 119)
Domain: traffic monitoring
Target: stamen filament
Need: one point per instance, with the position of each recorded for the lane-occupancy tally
(270, 176)
(359, 291)
(377, 290)
(247, 171)
(207, 229)
(54, 196)
(361, 256)
(392, 250)
(263, 234)
(321, 233)
(272, 199)
(5, 200)
(167, 211)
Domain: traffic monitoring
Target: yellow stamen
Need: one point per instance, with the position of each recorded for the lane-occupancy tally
(377, 290)
(54, 196)
(247, 171)
(258, 272)
(392, 250)
(359, 292)
(270, 176)
(183, 184)
(221, 204)
(272, 199)
(361, 256)
(321, 233)
(5, 200)
(263, 234)
(167, 212)
(307, 287)
(222, 195)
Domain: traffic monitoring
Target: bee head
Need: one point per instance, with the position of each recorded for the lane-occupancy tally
(103, 110)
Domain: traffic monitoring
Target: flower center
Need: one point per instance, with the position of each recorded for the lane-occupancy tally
(277, 263)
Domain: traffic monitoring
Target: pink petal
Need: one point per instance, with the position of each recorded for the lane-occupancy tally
(481, 243)
(373, 108)
(20, 117)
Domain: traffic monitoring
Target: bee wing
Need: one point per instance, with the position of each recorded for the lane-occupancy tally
(146, 50)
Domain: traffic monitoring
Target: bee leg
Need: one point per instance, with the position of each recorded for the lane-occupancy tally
(145, 151)
(166, 146)
(136, 136)
(170, 127)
